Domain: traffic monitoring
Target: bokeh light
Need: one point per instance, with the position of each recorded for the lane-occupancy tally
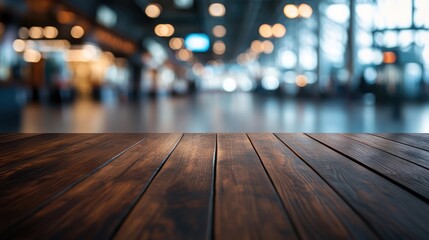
(50, 32)
(278, 30)
(305, 10)
(153, 10)
(217, 9)
(176, 43)
(36, 32)
(77, 32)
(265, 31)
(164, 30)
(219, 31)
(219, 47)
(291, 11)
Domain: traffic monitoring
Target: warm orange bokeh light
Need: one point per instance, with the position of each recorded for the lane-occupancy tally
(389, 57)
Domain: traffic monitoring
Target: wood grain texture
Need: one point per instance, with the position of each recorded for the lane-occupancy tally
(177, 203)
(409, 175)
(24, 190)
(415, 155)
(14, 137)
(415, 140)
(391, 211)
(316, 210)
(94, 208)
(35, 148)
(246, 204)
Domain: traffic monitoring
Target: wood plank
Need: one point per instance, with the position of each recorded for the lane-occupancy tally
(25, 190)
(414, 155)
(246, 203)
(94, 208)
(12, 137)
(412, 177)
(389, 209)
(25, 151)
(417, 140)
(317, 211)
(177, 203)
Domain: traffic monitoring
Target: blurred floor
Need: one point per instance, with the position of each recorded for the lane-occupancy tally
(221, 112)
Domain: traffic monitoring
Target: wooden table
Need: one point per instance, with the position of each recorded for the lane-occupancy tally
(222, 186)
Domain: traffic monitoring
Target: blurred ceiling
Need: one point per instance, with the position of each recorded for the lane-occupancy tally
(242, 19)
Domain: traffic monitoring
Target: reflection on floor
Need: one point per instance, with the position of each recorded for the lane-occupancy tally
(238, 112)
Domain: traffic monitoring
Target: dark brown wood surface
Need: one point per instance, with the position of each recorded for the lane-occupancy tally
(95, 207)
(411, 154)
(389, 209)
(177, 203)
(246, 203)
(214, 186)
(315, 208)
(407, 174)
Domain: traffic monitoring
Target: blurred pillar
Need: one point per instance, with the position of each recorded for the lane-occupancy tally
(352, 48)
(320, 87)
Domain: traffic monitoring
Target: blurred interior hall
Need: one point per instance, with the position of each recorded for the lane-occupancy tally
(214, 66)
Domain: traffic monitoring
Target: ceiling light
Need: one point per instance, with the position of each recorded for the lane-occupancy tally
(305, 10)
(18, 45)
(267, 46)
(256, 46)
(184, 55)
(23, 33)
(217, 9)
(219, 31)
(50, 32)
(77, 31)
(36, 32)
(301, 81)
(164, 30)
(291, 11)
(153, 10)
(278, 30)
(176, 43)
(265, 31)
(219, 47)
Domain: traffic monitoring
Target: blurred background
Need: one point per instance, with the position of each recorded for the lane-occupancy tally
(214, 65)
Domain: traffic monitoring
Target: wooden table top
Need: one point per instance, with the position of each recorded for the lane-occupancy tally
(214, 186)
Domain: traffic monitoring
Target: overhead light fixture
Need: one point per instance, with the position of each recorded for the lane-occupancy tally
(23, 33)
(18, 45)
(184, 55)
(291, 11)
(219, 31)
(268, 46)
(176, 43)
(265, 31)
(153, 10)
(197, 42)
(36, 32)
(256, 46)
(305, 10)
(50, 32)
(164, 30)
(278, 30)
(219, 47)
(217, 9)
(77, 32)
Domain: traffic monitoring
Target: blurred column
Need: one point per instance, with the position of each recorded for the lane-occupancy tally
(320, 88)
(352, 48)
